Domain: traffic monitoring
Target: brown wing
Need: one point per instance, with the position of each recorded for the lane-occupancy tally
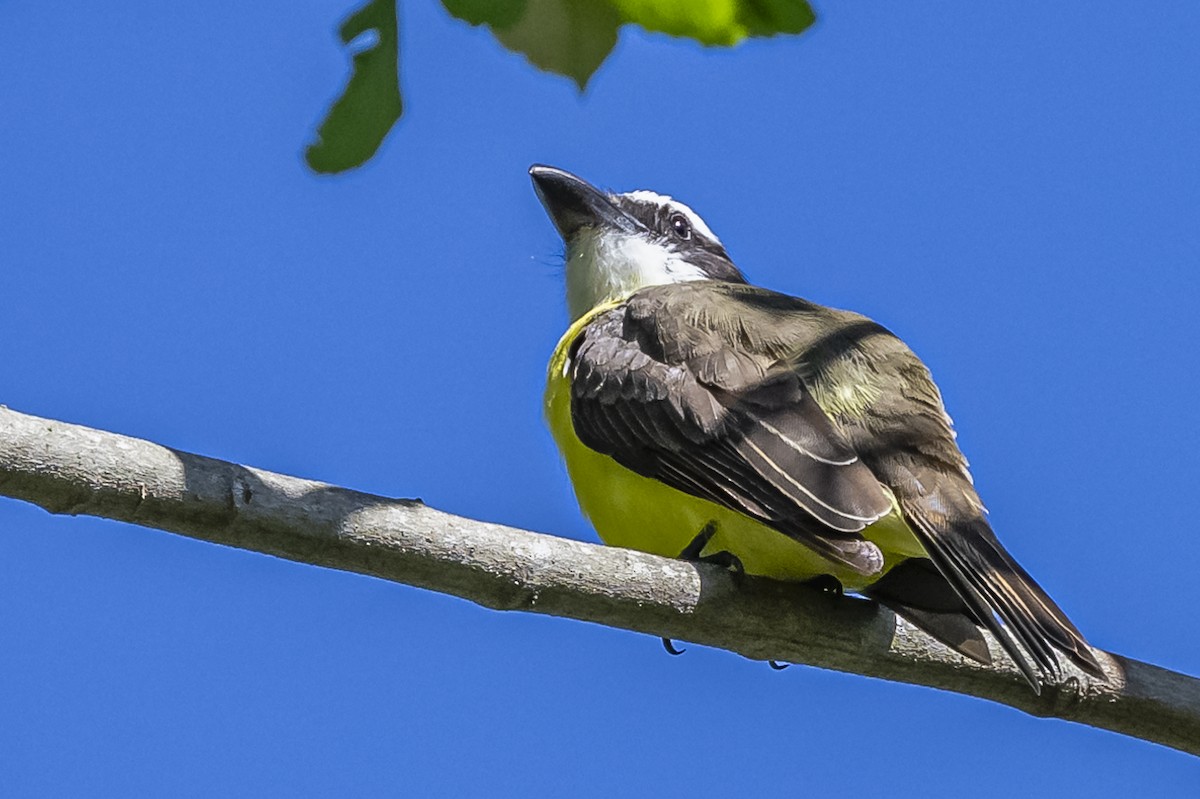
(671, 399)
(741, 425)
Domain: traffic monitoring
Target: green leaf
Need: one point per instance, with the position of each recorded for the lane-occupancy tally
(718, 22)
(573, 37)
(496, 13)
(773, 17)
(567, 37)
(359, 120)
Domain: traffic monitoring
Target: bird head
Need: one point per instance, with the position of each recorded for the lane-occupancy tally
(619, 243)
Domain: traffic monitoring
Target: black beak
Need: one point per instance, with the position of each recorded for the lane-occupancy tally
(574, 204)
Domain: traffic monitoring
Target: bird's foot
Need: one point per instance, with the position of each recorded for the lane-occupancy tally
(724, 559)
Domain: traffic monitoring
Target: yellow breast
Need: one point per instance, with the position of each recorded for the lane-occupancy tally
(636, 512)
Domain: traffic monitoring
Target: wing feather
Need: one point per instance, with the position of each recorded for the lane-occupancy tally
(724, 426)
(810, 420)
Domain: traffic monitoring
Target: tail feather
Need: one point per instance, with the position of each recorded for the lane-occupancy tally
(1004, 598)
(916, 590)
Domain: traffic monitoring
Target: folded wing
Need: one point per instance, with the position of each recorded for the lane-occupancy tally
(673, 401)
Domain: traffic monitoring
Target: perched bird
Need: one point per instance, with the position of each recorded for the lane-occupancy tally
(702, 417)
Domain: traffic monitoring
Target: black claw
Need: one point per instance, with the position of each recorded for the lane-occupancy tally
(671, 648)
(726, 560)
(775, 664)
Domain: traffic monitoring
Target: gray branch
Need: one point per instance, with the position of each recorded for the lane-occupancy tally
(66, 468)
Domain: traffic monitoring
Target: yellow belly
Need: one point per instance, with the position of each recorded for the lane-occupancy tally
(636, 512)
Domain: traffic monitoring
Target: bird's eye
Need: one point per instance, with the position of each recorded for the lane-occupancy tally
(681, 227)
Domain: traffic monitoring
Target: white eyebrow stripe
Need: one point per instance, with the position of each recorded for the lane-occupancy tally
(771, 429)
(661, 199)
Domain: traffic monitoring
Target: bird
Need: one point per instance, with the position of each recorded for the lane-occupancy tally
(701, 416)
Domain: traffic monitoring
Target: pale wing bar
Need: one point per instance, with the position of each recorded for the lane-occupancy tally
(766, 450)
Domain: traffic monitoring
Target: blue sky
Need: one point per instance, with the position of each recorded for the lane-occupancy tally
(1012, 188)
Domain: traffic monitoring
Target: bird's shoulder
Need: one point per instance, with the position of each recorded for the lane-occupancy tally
(688, 403)
(737, 338)
(720, 328)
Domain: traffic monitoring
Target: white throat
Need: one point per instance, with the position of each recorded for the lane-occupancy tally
(609, 265)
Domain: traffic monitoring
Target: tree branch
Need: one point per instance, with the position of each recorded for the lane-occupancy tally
(66, 468)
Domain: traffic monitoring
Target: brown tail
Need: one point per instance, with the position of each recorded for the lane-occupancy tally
(916, 590)
(999, 593)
